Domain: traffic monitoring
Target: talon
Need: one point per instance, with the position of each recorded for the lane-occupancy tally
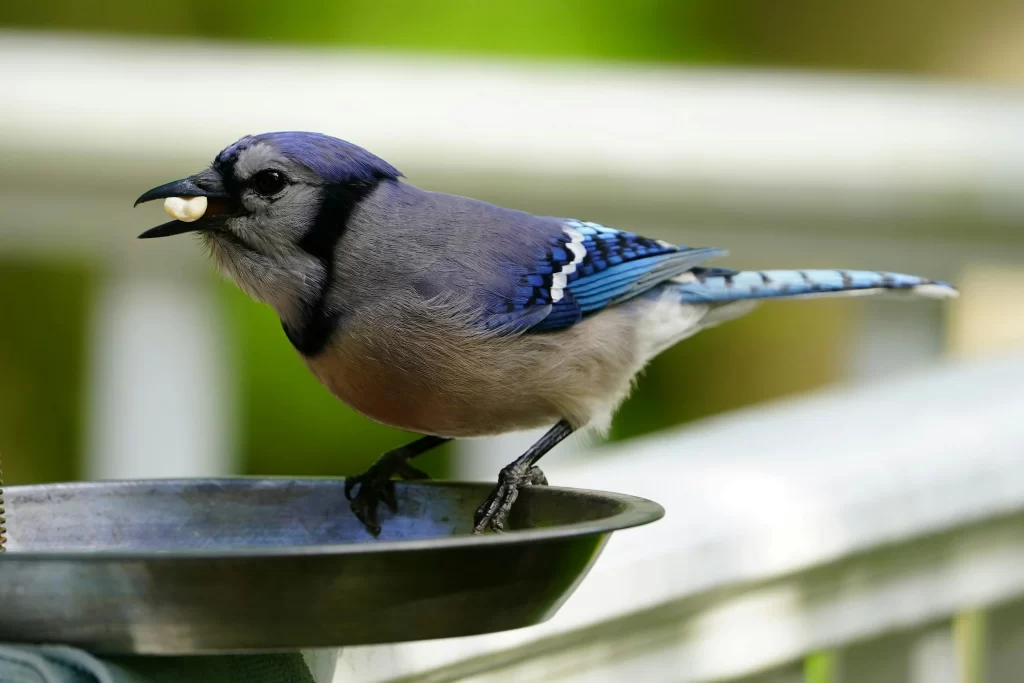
(536, 477)
(366, 512)
(493, 513)
(386, 493)
(370, 493)
(522, 472)
(350, 484)
(373, 527)
(407, 471)
(368, 490)
(484, 513)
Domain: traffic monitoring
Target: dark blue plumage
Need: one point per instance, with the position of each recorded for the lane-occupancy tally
(584, 268)
(334, 160)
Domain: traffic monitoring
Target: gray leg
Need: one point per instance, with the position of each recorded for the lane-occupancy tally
(522, 472)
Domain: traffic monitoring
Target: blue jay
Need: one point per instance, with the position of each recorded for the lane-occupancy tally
(451, 317)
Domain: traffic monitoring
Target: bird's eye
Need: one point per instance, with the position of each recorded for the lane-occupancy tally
(268, 183)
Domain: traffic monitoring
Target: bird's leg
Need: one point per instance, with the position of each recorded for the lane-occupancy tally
(521, 472)
(376, 486)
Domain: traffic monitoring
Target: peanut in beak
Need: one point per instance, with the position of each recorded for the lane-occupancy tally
(185, 209)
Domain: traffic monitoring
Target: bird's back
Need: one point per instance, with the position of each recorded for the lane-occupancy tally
(402, 240)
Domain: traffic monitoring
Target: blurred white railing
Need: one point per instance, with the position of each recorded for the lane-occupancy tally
(810, 525)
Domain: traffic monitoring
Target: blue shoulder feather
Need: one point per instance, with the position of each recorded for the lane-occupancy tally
(585, 268)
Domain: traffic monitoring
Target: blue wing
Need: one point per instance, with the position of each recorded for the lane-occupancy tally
(587, 267)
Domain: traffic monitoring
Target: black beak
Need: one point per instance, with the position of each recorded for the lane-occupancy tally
(206, 184)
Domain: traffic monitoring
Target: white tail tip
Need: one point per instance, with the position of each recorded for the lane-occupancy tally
(936, 290)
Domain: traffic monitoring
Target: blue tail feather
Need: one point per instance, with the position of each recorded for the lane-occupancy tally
(720, 284)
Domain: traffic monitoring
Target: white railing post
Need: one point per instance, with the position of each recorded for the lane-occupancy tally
(933, 657)
(158, 395)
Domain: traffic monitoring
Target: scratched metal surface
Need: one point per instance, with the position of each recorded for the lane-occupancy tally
(236, 565)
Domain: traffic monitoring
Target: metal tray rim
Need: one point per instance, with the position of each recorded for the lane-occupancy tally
(635, 511)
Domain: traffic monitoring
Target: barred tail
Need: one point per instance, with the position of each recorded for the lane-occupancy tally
(720, 284)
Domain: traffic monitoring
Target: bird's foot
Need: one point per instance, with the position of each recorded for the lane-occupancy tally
(375, 486)
(494, 512)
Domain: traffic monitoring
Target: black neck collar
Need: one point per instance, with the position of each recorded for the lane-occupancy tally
(319, 318)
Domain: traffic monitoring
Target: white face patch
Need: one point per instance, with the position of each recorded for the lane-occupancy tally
(185, 209)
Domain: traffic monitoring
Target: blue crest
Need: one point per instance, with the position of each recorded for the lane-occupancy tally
(335, 160)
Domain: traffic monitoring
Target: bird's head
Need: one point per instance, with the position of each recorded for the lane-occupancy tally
(266, 190)
(272, 207)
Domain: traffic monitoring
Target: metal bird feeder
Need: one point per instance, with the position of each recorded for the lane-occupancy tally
(244, 565)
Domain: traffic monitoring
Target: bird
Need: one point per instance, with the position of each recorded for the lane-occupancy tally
(451, 317)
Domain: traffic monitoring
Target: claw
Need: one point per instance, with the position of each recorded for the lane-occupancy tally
(374, 486)
(536, 477)
(365, 510)
(407, 471)
(366, 491)
(350, 483)
(385, 491)
(494, 511)
(371, 520)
